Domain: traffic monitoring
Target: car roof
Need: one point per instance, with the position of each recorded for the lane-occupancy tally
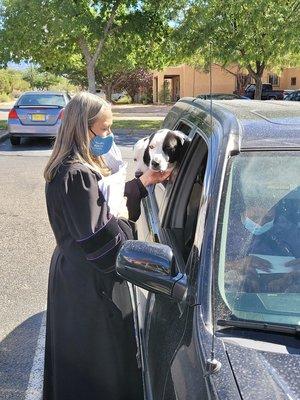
(44, 92)
(256, 123)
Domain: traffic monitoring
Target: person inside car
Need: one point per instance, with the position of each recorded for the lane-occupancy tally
(264, 238)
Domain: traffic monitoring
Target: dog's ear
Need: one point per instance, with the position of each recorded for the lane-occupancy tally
(181, 136)
(146, 157)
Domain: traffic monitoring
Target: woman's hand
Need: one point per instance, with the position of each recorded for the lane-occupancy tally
(152, 177)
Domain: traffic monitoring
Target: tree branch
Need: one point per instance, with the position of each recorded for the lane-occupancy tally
(106, 30)
(225, 69)
(85, 50)
(251, 71)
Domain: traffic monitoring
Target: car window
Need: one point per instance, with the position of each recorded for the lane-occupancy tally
(159, 190)
(185, 200)
(259, 255)
(170, 120)
(192, 209)
(184, 128)
(42, 99)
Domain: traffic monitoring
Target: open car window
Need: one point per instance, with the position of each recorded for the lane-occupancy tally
(183, 127)
(186, 197)
(160, 189)
(259, 235)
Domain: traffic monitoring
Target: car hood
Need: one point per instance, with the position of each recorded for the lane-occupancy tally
(264, 370)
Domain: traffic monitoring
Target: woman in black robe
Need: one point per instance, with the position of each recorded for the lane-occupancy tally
(90, 343)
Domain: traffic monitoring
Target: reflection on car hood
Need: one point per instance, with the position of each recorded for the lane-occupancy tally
(265, 375)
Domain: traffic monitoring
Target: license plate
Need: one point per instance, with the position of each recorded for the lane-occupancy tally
(38, 117)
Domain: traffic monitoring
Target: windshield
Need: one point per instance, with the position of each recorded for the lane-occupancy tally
(259, 247)
(42, 99)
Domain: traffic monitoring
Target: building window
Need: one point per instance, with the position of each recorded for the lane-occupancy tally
(274, 79)
(293, 81)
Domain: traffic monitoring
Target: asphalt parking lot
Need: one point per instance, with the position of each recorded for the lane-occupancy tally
(26, 247)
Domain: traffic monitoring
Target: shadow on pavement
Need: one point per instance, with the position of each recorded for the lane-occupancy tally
(27, 144)
(17, 350)
(128, 140)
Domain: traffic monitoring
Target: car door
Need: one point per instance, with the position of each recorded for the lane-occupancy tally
(148, 229)
(174, 224)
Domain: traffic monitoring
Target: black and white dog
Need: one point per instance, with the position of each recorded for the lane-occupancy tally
(160, 151)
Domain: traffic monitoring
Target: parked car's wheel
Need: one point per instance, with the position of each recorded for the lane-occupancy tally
(15, 141)
(272, 98)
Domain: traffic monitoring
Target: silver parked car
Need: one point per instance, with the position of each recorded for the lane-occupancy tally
(36, 114)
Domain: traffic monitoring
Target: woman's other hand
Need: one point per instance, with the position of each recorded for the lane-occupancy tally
(152, 177)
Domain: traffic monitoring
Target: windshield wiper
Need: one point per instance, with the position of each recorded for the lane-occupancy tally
(261, 326)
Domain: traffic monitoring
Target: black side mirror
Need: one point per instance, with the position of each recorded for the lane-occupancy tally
(152, 267)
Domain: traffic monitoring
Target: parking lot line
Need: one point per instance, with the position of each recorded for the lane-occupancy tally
(34, 389)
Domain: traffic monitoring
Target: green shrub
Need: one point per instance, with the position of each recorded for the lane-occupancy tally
(5, 98)
(146, 99)
(3, 124)
(124, 100)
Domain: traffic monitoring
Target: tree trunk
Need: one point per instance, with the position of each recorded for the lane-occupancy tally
(108, 92)
(257, 75)
(241, 83)
(258, 87)
(91, 77)
(91, 59)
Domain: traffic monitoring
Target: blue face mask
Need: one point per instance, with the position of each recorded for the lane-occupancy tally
(255, 228)
(101, 145)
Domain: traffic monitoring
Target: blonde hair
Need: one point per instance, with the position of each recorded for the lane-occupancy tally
(73, 136)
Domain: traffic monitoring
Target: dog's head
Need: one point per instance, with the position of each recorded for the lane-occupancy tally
(164, 149)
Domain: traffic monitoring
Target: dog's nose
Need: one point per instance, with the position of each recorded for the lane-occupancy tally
(154, 164)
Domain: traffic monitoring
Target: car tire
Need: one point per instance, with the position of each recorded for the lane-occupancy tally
(272, 98)
(15, 141)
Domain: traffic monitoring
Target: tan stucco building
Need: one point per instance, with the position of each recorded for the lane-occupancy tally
(184, 80)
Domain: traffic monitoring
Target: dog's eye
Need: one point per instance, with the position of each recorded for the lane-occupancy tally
(151, 146)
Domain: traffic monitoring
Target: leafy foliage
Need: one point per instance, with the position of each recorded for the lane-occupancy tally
(68, 37)
(11, 83)
(39, 80)
(254, 35)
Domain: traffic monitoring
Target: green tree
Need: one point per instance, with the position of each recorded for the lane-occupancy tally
(4, 82)
(40, 79)
(63, 35)
(12, 82)
(255, 35)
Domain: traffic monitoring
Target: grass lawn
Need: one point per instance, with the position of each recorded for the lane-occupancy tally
(136, 124)
(3, 124)
(120, 124)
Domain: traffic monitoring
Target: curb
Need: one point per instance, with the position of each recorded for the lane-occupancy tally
(3, 136)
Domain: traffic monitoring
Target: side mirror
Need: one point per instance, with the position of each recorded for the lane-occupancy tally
(152, 267)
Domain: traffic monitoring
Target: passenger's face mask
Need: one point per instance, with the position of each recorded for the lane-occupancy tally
(255, 228)
(101, 145)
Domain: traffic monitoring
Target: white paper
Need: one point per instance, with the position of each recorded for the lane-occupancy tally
(277, 264)
(112, 188)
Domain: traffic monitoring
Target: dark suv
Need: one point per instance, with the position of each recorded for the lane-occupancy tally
(216, 269)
